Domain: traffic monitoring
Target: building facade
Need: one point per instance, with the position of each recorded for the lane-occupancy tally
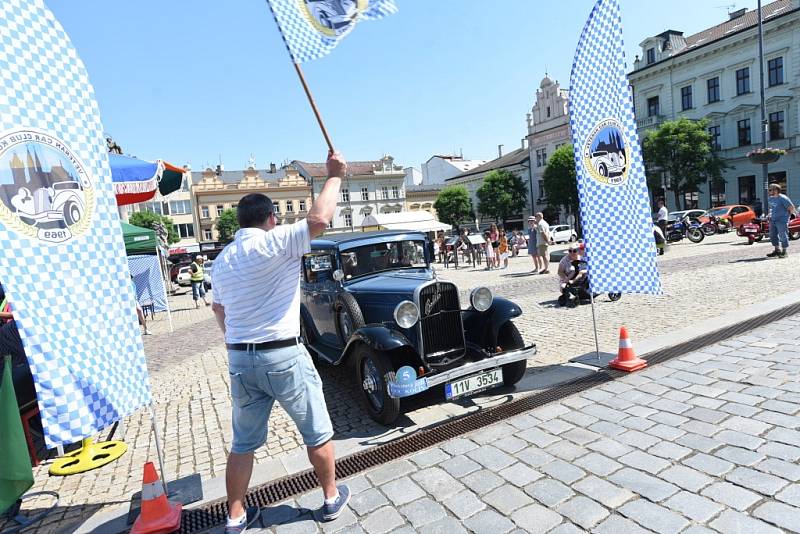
(179, 207)
(548, 129)
(370, 187)
(439, 169)
(517, 162)
(714, 75)
(422, 198)
(216, 190)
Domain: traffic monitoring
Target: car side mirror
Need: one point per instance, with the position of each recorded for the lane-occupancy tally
(338, 275)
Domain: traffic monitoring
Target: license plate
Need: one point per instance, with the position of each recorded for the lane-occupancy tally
(473, 384)
(750, 230)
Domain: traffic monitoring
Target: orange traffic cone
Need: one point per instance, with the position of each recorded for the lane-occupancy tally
(158, 515)
(626, 359)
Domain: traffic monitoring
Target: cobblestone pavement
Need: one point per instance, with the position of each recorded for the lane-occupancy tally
(190, 382)
(706, 442)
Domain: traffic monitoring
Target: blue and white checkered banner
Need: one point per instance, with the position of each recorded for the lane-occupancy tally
(146, 273)
(312, 28)
(63, 263)
(612, 189)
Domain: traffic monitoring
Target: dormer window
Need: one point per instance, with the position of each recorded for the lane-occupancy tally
(651, 55)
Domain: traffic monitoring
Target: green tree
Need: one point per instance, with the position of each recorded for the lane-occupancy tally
(502, 195)
(453, 205)
(560, 180)
(148, 219)
(681, 150)
(227, 225)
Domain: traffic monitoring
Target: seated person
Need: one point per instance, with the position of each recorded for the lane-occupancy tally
(572, 276)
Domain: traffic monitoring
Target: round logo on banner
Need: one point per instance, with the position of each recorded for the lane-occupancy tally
(606, 153)
(332, 18)
(45, 191)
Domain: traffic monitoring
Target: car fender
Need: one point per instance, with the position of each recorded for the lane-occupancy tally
(482, 327)
(379, 338)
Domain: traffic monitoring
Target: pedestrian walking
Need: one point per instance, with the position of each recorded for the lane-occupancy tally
(543, 238)
(494, 241)
(502, 248)
(780, 207)
(198, 279)
(532, 249)
(662, 216)
(490, 254)
(256, 281)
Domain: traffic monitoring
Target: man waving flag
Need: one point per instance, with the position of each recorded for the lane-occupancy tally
(312, 28)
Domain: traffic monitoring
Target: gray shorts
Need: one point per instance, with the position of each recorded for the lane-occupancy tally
(287, 375)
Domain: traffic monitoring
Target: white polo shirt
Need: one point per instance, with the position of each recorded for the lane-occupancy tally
(257, 279)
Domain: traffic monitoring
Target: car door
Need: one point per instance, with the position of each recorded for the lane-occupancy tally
(739, 215)
(319, 292)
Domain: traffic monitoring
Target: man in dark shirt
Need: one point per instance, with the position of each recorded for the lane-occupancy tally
(11, 343)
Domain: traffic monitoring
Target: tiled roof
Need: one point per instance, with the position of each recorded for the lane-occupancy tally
(740, 23)
(232, 177)
(354, 168)
(423, 188)
(512, 158)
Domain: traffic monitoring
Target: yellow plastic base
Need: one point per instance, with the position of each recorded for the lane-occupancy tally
(90, 456)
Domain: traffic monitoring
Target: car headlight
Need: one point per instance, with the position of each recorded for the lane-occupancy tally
(406, 314)
(481, 298)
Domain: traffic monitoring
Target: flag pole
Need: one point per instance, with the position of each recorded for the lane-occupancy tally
(313, 105)
(594, 325)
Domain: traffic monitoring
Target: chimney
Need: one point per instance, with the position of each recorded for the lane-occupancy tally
(524, 142)
(738, 13)
(499, 151)
(272, 169)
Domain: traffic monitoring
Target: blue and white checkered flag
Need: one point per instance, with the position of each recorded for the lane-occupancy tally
(63, 262)
(612, 189)
(312, 28)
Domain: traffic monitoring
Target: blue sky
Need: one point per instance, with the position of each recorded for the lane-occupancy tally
(188, 81)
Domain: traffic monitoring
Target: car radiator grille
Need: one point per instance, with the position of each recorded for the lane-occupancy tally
(440, 322)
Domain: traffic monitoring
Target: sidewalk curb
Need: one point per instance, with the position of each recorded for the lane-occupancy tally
(655, 349)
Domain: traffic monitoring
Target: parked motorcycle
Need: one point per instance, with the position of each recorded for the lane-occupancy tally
(685, 228)
(756, 230)
(716, 225)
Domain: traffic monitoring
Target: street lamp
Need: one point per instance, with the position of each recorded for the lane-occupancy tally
(764, 124)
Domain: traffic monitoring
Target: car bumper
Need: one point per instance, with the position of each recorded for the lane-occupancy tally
(427, 382)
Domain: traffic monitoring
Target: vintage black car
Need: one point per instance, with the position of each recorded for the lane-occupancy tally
(372, 299)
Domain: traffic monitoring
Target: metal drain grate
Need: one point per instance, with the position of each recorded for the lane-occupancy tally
(214, 513)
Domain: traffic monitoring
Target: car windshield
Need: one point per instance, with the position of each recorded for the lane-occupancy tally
(676, 214)
(717, 212)
(369, 259)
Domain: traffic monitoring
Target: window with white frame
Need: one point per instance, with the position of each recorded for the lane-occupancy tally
(207, 235)
(302, 206)
(290, 206)
(180, 207)
(277, 206)
(364, 193)
(541, 157)
(152, 207)
(348, 219)
(204, 213)
(384, 192)
(345, 195)
(220, 209)
(395, 192)
(184, 230)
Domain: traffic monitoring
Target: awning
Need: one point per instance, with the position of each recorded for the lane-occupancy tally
(171, 178)
(421, 221)
(138, 240)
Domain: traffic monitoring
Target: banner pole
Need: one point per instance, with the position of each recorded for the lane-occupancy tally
(162, 267)
(594, 325)
(158, 447)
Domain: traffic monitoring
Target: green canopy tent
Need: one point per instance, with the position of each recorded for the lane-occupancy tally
(139, 240)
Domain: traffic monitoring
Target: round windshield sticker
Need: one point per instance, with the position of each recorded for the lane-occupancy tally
(606, 153)
(332, 18)
(45, 191)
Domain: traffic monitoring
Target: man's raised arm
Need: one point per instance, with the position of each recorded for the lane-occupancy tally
(321, 213)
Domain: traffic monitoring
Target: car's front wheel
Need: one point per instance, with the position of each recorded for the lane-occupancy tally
(372, 372)
(794, 235)
(348, 316)
(509, 338)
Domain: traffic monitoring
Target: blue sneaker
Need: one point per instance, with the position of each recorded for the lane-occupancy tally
(333, 510)
(252, 513)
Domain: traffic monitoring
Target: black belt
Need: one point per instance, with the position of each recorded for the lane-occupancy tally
(266, 345)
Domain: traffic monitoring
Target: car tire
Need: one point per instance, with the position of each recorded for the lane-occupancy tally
(372, 371)
(509, 338)
(794, 236)
(573, 238)
(72, 212)
(613, 297)
(348, 316)
(602, 169)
